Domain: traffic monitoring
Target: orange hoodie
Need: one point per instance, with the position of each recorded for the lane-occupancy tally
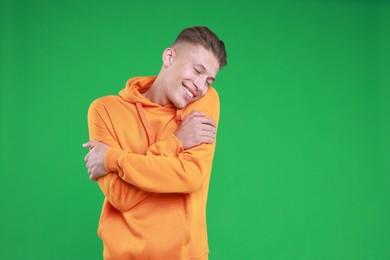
(155, 192)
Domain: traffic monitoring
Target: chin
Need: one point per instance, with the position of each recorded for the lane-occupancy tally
(181, 102)
(180, 106)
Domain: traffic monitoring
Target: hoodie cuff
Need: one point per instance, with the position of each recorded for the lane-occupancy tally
(111, 161)
(174, 144)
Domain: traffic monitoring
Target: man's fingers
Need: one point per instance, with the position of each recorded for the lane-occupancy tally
(209, 140)
(195, 129)
(88, 165)
(90, 159)
(206, 140)
(208, 134)
(92, 176)
(208, 128)
(204, 120)
(208, 121)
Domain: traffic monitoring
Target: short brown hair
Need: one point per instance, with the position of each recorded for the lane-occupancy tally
(203, 36)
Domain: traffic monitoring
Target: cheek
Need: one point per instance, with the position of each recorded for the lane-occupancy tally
(186, 72)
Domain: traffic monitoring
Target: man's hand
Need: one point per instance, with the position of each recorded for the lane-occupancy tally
(95, 159)
(196, 129)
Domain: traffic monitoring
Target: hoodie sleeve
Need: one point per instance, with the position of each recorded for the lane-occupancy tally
(166, 167)
(120, 194)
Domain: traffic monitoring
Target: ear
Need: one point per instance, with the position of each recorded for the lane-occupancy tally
(167, 56)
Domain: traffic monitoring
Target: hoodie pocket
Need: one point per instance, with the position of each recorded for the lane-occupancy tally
(163, 229)
(183, 223)
(170, 234)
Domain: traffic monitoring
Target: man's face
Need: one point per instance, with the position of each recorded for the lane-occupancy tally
(189, 74)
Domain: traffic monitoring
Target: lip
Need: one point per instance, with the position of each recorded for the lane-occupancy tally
(190, 90)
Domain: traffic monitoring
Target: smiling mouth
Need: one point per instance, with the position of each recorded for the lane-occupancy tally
(189, 92)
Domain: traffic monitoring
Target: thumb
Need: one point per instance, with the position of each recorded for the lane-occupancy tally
(197, 114)
(89, 144)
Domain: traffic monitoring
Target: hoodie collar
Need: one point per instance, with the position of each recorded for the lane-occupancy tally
(134, 89)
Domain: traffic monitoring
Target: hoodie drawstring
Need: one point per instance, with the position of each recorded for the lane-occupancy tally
(145, 123)
(179, 114)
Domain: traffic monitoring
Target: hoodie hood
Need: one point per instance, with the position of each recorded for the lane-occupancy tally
(133, 93)
(135, 87)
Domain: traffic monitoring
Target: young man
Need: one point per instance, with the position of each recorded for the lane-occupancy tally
(152, 150)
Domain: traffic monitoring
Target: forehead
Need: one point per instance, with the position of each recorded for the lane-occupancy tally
(198, 55)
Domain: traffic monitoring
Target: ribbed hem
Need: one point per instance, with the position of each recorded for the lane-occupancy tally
(111, 161)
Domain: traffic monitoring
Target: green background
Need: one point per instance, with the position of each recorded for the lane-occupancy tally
(302, 167)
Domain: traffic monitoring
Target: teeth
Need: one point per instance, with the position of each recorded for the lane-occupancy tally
(189, 93)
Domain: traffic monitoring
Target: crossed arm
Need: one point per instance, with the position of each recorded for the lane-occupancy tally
(195, 129)
(177, 164)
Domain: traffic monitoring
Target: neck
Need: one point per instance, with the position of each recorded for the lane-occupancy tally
(156, 92)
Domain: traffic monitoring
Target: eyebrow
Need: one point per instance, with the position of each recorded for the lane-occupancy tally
(204, 69)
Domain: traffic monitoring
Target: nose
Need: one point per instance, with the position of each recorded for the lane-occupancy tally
(200, 84)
